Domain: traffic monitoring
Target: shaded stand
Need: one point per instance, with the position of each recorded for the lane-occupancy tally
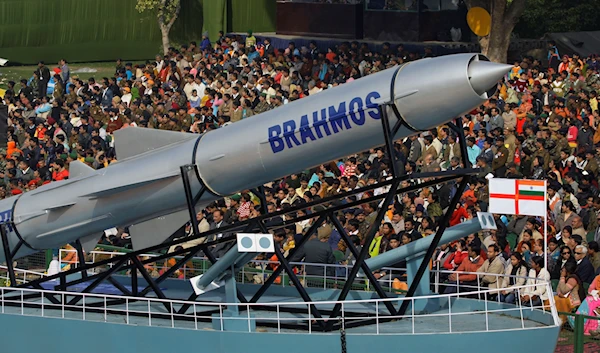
(135, 266)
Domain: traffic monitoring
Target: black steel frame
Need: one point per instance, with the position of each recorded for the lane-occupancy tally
(133, 263)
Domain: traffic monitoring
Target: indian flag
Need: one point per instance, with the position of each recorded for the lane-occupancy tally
(518, 197)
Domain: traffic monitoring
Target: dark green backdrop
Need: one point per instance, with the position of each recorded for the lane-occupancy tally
(102, 30)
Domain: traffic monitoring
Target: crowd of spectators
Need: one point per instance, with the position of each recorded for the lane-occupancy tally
(542, 124)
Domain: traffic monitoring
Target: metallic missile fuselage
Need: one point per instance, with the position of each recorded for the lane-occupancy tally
(92, 214)
(333, 124)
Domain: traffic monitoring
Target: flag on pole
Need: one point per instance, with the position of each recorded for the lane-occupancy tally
(518, 197)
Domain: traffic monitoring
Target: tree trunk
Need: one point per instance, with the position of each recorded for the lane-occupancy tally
(497, 45)
(165, 38)
(165, 27)
(504, 18)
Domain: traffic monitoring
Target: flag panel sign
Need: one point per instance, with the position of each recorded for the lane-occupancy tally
(518, 197)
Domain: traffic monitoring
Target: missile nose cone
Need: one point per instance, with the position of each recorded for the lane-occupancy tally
(484, 75)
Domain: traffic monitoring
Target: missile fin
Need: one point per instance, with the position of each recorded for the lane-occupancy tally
(79, 169)
(60, 206)
(157, 230)
(134, 141)
(27, 216)
(89, 242)
(127, 187)
(54, 185)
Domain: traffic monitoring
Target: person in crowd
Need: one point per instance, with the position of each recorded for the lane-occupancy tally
(566, 256)
(585, 270)
(591, 307)
(515, 276)
(465, 278)
(570, 291)
(536, 293)
(492, 269)
(316, 251)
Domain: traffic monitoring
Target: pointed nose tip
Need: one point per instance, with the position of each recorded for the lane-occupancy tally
(484, 75)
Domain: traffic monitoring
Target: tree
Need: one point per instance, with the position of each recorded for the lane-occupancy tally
(505, 15)
(548, 16)
(166, 14)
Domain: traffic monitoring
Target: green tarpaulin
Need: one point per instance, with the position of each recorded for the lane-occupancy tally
(215, 13)
(80, 30)
(257, 15)
(103, 30)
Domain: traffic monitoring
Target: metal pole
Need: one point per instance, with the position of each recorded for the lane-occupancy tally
(461, 142)
(389, 140)
(578, 332)
(260, 193)
(545, 225)
(80, 257)
(7, 255)
(189, 198)
(134, 281)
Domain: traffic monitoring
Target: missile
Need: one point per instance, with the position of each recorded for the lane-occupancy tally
(144, 189)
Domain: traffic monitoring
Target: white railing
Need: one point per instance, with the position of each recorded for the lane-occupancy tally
(21, 276)
(152, 312)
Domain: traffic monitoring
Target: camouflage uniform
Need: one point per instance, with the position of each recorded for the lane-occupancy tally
(262, 107)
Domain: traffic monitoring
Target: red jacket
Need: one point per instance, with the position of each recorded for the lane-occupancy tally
(457, 216)
(455, 259)
(469, 266)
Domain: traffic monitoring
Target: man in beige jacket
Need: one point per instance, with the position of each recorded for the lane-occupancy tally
(492, 270)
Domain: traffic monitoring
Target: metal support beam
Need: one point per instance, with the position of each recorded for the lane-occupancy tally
(368, 273)
(434, 243)
(248, 224)
(189, 197)
(119, 286)
(389, 141)
(462, 142)
(260, 193)
(442, 177)
(191, 204)
(13, 253)
(98, 280)
(134, 281)
(159, 293)
(364, 251)
(80, 257)
(313, 228)
(8, 256)
(297, 284)
(299, 287)
(171, 270)
(48, 296)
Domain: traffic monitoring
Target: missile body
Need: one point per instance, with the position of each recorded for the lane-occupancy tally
(144, 188)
